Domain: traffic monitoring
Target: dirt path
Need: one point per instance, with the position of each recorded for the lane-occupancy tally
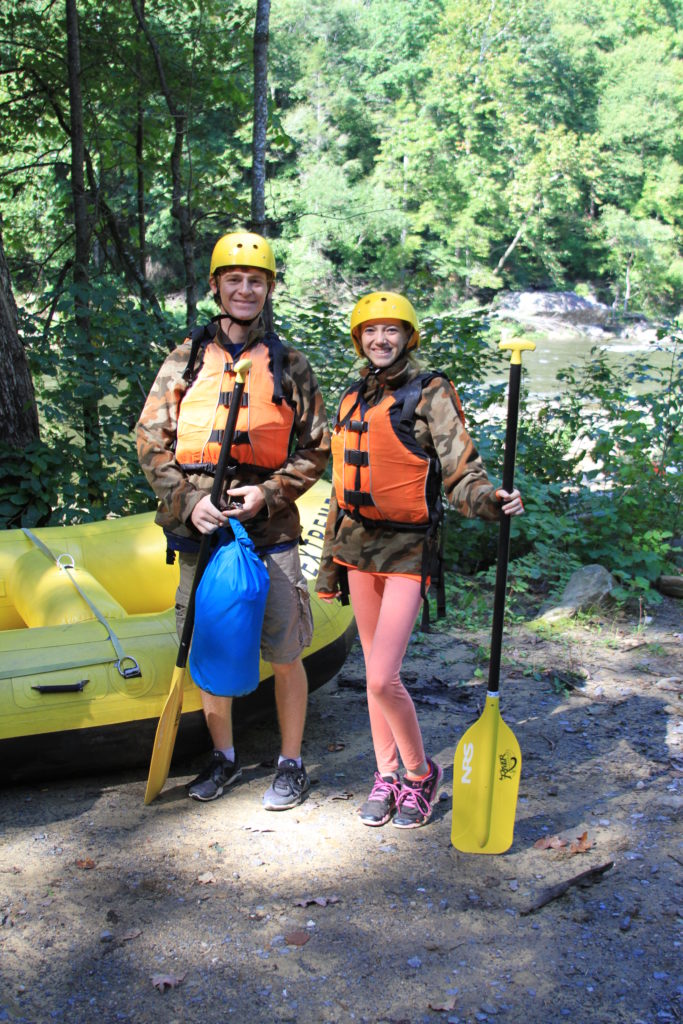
(307, 916)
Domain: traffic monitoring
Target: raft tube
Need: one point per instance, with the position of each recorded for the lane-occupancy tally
(85, 670)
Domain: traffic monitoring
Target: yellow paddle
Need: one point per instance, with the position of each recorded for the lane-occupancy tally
(488, 759)
(167, 729)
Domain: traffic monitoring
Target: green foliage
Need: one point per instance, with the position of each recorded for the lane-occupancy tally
(604, 469)
(54, 478)
(443, 149)
(30, 482)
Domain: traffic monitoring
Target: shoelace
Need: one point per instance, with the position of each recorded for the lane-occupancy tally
(383, 789)
(286, 776)
(413, 799)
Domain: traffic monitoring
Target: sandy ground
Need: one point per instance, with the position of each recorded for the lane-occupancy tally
(181, 912)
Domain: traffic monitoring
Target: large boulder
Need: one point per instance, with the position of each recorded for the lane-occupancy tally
(588, 586)
(557, 307)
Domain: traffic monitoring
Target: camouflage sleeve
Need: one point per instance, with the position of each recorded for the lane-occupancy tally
(466, 484)
(327, 580)
(307, 461)
(156, 434)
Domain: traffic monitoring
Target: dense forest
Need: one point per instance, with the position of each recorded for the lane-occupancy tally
(462, 147)
(449, 149)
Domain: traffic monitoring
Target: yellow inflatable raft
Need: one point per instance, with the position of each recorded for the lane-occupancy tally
(88, 645)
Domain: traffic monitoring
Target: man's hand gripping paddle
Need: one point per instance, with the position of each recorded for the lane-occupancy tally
(167, 729)
(488, 760)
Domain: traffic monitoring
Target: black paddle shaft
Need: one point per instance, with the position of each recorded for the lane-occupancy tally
(504, 527)
(205, 543)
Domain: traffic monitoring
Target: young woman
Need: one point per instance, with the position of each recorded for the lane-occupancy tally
(398, 442)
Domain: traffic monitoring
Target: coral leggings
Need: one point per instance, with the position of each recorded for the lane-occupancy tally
(385, 608)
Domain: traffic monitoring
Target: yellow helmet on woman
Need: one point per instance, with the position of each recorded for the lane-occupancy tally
(242, 249)
(381, 305)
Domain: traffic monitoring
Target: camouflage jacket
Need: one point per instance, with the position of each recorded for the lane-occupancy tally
(178, 491)
(438, 429)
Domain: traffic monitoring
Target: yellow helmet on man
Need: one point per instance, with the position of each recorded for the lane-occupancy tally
(380, 306)
(242, 249)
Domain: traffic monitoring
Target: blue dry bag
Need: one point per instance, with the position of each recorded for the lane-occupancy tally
(229, 606)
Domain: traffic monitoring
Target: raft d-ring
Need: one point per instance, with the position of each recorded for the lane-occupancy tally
(128, 673)
(70, 564)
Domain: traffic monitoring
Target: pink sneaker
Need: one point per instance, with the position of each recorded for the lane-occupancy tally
(414, 804)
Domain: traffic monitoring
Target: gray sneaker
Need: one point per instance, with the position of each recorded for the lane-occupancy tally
(289, 787)
(381, 803)
(216, 777)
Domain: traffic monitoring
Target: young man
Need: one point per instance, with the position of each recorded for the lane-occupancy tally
(280, 448)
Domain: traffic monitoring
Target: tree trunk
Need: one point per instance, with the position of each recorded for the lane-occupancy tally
(180, 202)
(139, 158)
(258, 145)
(18, 412)
(627, 293)
(91, 417)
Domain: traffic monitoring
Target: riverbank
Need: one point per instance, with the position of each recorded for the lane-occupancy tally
(113, 912)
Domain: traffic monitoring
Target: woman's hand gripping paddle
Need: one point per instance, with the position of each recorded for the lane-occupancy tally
(167, 729)
(488, 761)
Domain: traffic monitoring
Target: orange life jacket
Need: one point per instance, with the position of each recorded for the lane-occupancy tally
(264, 427)
(380, 472)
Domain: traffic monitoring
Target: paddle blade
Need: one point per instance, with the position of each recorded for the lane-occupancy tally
(486, 771)
(164, 741)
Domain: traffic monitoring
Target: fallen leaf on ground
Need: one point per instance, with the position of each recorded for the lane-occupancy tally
(335, 747)
(206, 879)
(322, 901)
(550, 843)
(297, 938)
(442, 1007)
(164, 981)
(582, 844)
(132, 934)
(85, 864)
(341, 796)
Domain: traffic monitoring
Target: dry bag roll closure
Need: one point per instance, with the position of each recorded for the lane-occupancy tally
(229, 606)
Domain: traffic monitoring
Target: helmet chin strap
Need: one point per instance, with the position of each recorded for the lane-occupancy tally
(235, 319)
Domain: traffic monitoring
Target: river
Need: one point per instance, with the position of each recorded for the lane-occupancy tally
(559, 349)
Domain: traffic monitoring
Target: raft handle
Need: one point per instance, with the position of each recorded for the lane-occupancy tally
(61, 687)
(128, 673)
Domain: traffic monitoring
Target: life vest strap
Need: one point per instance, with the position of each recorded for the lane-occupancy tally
(239, 437)
(355, 457)
(386, 524)
(277, 355)
(209, 469)
(357, 498)
(225, 398)
(199, 339)
(357, 426)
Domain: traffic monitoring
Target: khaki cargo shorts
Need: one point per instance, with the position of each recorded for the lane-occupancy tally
(287, 622)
